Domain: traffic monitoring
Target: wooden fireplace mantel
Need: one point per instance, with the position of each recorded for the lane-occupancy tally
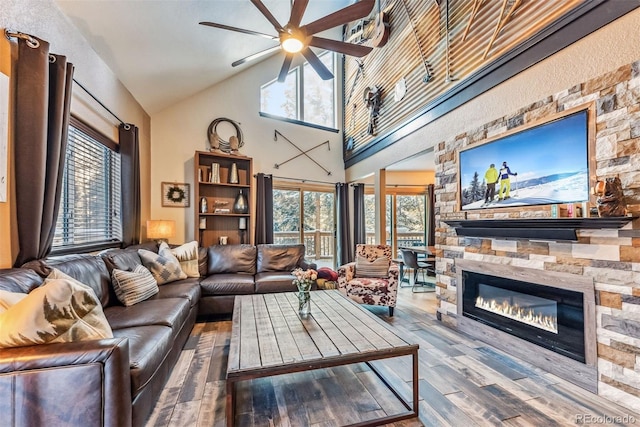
(534, 228)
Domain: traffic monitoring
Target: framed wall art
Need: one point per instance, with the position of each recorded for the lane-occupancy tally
(175, 195)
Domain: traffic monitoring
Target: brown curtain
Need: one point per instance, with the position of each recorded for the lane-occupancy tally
(344, 250)
(264, 209)
(41, 119)
(359, 226)
(431, 215)
(130, 183)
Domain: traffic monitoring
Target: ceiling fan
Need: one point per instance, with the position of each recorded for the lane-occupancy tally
(294, 38)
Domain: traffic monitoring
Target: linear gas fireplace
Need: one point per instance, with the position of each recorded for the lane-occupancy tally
(546, 318)
(550, 317)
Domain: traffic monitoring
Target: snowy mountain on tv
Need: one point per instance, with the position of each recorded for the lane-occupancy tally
(557, 188)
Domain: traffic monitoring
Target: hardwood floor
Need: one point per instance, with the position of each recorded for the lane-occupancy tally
(463, 382)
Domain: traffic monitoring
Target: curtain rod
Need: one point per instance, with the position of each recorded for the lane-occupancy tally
(34, 43)
(298, 179)
(127, 126)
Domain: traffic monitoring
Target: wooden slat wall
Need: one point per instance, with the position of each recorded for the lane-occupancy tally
(400, 57)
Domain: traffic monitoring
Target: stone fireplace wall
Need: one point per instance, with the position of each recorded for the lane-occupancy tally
(610, 256)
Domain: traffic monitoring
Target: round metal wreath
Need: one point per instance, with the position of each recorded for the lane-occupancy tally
(224, 145)
(175, 194)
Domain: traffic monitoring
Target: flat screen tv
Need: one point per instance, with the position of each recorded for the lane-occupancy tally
(543, 164)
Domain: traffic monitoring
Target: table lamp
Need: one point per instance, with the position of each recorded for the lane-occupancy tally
(161, 229)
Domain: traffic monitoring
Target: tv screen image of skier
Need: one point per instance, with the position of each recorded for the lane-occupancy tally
(544, 164)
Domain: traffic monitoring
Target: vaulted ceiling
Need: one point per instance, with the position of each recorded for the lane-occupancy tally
(162, 55)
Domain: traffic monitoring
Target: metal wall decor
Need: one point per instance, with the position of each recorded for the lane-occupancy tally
(373, 100)
(218, 144)
(302, 152)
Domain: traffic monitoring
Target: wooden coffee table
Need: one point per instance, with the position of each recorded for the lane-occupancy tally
(268, 338)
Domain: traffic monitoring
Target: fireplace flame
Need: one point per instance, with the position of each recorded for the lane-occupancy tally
(522, 314)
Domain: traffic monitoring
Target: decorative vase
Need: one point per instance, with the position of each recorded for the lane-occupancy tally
(203, 205)
(233, 174)
(240, 205)
(304, 302)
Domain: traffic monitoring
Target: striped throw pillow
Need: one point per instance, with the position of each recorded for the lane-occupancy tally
(377, 268)
(135, 286)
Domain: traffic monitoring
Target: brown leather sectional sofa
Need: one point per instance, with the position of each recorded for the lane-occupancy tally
(116, 382)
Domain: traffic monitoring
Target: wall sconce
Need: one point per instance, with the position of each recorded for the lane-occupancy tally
(161, 230)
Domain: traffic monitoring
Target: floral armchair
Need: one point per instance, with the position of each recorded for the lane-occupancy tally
(380, 290)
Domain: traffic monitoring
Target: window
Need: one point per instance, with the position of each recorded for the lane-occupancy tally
(89, 215)
(303, 96)
(306, 215)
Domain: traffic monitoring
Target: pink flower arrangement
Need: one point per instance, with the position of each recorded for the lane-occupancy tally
(304, 278)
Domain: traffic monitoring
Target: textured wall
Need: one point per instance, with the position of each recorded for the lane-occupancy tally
(611, 257)
(43, 19)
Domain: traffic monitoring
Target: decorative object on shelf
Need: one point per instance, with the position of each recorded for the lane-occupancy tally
(304, 280)
(302, 152)
(161, 229)
(216, 143)
(175, 195)
(234, 144)
(222, 211)
(204, 206)
(223, 240)
(240, 205)
(233, 174)
(242, 227)
(203, 223)
(215, 173)
(218, 203)
(610, 197)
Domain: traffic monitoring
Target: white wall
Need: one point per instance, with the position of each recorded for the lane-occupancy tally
(612, 46)
(180, 130)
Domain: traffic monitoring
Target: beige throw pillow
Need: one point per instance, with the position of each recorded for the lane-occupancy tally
(132, 287)
(378, 268)
(164, 266)
(187, 255)
(60, 310)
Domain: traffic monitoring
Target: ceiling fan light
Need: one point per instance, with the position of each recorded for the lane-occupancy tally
(292, 44)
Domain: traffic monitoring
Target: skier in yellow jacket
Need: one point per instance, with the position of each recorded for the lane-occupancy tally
(505, 182)
(491, 178)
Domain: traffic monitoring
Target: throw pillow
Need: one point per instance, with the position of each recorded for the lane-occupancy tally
(379, 267)
(164, 266)
(8, 299)
(132, 287)
(61, 310)
(187, 255)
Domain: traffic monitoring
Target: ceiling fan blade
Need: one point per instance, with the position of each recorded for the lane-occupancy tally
(267, 14)
(238, 30)
(297, 11)
(340, 47)
(284, 71)
(317, 64)
(255, 56)
(350, 13)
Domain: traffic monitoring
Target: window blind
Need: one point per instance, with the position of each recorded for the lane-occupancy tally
(89, 214)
